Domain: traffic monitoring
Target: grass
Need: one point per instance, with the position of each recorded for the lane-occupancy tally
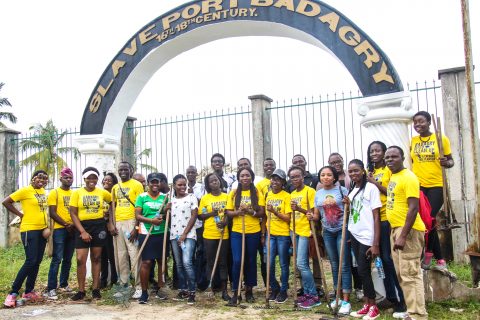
(11, 260)
(463, 272)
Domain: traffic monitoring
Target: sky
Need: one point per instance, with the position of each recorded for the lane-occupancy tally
(53, 52)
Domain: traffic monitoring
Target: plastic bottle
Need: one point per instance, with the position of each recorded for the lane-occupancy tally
(157, 228)
(379, 266)
(127, 235)
(265, 253)
(182, 244)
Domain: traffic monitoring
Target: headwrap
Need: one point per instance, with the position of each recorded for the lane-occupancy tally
(66, 171)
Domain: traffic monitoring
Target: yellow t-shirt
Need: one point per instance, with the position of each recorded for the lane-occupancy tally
(302, 225)
(281, 202)
(210, 203)
(264, 185)
(382, 175)
(124, 210)
(402, 185)
(62, 205)
(252, 224)
(89, 204)
(426, 165)
(34, 207)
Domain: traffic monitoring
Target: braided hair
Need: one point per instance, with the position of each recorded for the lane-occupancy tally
(253, 191)
(364, 177)
(175, 179)
(370, 164)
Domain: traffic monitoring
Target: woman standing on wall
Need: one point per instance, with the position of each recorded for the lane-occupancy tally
(213, 205)
(33, 200)
(248, 203)
(108, 256)
(86, 210)
(379, 175)
(427, 166)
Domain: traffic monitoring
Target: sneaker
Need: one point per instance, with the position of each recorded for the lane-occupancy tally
(31, 296)
(191, 298)
(137, 294)
(143, 297)
(440, 266)
(96, 294)
(10, 300)
(161, 294)
(359, 294)
(400, 315)
(281, 297)
(50, 295)
(181, 296)
(333, 304)
(273, 295)
(362, 312)
(372, 314)
(80, 295)
(225, 296)
(310, 302)
(345, 308)
(66, 289)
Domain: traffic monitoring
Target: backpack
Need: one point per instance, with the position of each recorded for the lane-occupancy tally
(425, 210)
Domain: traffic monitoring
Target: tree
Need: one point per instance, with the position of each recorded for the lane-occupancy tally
(5, 115)
(45, 143)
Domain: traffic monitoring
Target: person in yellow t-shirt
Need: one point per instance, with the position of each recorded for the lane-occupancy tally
(212, 213)
(379, 174)
(302, 204)
(123, 225)
(427, 166)
(278, 226)
(63, 240)
(33, 221)
(408, 231)
(86, 210)
(269, 167)
(247, 203)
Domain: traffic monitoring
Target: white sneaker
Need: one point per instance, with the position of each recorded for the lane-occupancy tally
(400, 315)
(66, 289)
(137, 294)
(345, 308)
(51, 295)
(333, 304)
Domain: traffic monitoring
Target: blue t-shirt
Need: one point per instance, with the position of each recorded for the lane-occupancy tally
(329, 202)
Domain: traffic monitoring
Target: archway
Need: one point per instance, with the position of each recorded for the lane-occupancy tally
(385, 108)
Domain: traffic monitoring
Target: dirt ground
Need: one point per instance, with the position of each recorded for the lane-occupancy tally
(155, 309)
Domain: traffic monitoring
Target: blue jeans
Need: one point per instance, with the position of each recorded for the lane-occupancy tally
(390, 282)
(63, 247)
(184, 262)
(333, 243)
(250, 265)
(304, 267)
(279, 245)
(34, 246)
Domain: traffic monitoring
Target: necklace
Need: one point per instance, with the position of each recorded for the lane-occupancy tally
(428, 139)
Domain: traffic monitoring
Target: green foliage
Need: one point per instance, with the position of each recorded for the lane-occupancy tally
(46, 141)
(4, 102)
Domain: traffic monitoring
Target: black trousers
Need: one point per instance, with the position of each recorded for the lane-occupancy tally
(211, 247)
(435, 197)
(364, 267)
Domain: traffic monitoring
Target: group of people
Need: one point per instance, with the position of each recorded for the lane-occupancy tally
(238, 216)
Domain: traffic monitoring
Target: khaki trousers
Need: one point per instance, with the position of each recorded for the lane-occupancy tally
(409, 272)
(126, 253)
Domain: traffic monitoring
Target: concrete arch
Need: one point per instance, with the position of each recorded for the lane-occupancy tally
(202, 21)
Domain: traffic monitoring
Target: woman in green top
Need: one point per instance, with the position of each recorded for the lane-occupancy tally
(149, 209)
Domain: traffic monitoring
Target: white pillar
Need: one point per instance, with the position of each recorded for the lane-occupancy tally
(387, 118)
(101, 152)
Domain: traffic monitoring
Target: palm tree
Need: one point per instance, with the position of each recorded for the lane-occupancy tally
(45, 143)
(6, 115)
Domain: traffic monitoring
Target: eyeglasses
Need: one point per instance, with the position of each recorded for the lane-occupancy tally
(333, 163)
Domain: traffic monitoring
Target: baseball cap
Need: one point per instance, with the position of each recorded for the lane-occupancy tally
(280, 173)
(156, 176)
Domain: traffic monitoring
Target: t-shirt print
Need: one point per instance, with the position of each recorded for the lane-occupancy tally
(181, 214)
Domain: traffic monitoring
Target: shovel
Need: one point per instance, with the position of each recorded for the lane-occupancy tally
(447, 205)
(209, 292)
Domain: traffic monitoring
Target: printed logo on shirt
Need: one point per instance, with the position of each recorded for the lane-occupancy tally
(66, 201)
(357, 206)
(391, 194)
(298, 200)
(378, 177)
(425, 151)
(122, 200)
(277, 205)
(91, 203)
(219, 206)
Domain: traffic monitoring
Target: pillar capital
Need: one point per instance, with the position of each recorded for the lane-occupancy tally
(391, 107)
(100, 150)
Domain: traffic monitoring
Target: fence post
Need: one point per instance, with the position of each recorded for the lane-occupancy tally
(462, 130)
(261, 131)
(8, 183)
(127, 142)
